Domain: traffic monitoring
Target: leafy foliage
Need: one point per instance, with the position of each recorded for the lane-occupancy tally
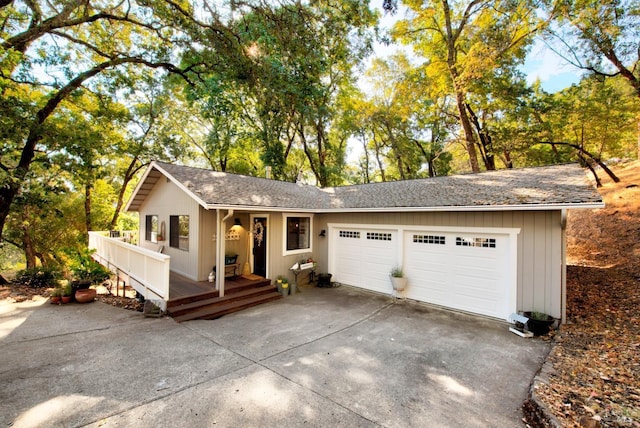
(85, 268)
(38, 277)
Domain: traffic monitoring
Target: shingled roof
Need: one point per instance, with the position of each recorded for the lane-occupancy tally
(551, 187)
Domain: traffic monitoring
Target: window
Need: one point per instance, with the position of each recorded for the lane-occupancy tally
(298, 234)
(349, 234)
(179, 232)
(378, 236)
(151, 228)
(429, 239)
(476, 242)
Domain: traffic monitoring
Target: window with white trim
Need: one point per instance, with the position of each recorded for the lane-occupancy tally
(179, 232)
(151, 228)
(476, 242)
(298, 232)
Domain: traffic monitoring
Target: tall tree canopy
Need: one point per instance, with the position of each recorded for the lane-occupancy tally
(467, 42)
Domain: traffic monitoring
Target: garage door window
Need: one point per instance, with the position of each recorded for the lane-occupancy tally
(429, 239)
(476, 242)
(350, 234)
(378, 236)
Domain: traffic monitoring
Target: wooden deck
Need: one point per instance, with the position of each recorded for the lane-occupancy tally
(181, 287)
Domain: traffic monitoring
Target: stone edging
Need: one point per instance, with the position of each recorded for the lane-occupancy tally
(536, 412)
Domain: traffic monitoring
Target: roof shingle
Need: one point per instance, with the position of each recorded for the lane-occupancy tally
(558, 185)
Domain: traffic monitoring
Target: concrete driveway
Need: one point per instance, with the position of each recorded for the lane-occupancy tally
(325, 357)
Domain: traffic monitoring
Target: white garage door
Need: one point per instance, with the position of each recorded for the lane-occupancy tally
(465, 271)
(364, 257)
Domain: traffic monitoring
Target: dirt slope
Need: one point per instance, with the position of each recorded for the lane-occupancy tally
(596, 355)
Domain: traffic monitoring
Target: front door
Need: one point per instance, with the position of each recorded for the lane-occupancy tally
(260, 246)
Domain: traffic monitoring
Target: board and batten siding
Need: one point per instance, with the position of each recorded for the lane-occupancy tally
(208, 238)
(540, 264)
(167, 199)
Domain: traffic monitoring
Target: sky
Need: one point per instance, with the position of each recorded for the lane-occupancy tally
(554, 73)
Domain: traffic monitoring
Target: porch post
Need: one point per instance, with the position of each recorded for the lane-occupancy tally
(220, 249)
(219, 252)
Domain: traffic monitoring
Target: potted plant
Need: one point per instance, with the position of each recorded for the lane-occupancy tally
(86, 271)
(398, 280)
(539, 323)
(85, 295)
(66, 293)
(285, 286)
(56, 296)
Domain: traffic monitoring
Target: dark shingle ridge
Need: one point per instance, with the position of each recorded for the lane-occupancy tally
(551, 185)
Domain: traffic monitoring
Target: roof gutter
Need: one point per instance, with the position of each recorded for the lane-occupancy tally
(521, 207)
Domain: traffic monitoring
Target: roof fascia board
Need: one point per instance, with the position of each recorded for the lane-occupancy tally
(259, 208)
(139, 185)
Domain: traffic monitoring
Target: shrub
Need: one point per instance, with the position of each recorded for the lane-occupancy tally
(38, 277)
(84, 268)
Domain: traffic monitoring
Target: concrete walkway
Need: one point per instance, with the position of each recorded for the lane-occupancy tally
(323, 358)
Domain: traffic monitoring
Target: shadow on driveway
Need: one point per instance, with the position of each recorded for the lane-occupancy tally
(325, 357)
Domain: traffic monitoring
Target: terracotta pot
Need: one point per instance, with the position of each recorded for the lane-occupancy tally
(86, 295)
(65, 299)
(54, 300)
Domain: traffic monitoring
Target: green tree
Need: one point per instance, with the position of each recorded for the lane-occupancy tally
(600, 36)
(464, 42)
(49, 53)
(399, 124)
(296, 60)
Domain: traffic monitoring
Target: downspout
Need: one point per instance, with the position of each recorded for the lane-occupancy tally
(220, 249)
(563, 269)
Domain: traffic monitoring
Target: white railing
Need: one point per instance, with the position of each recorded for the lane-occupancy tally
(148, 271)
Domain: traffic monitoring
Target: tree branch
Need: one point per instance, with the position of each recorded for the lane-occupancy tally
(583, 151)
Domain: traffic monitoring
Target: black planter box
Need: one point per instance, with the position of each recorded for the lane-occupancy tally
(324, 280)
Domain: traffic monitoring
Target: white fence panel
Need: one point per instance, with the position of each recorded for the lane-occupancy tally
(148, 271)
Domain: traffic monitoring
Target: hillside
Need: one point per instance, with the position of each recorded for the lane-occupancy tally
(596, 355)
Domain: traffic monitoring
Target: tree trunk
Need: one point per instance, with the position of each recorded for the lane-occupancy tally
(592, 169)
(87, 209)
(639, 136)
(485, 141)
(451, 40)
(507, 159)
(470, 143)
(27, 246)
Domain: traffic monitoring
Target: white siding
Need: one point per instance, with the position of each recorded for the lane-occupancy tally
(167, 199)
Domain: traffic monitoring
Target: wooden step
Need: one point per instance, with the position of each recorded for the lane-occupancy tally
(177, 310)
(172, 303)
(219, 309)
